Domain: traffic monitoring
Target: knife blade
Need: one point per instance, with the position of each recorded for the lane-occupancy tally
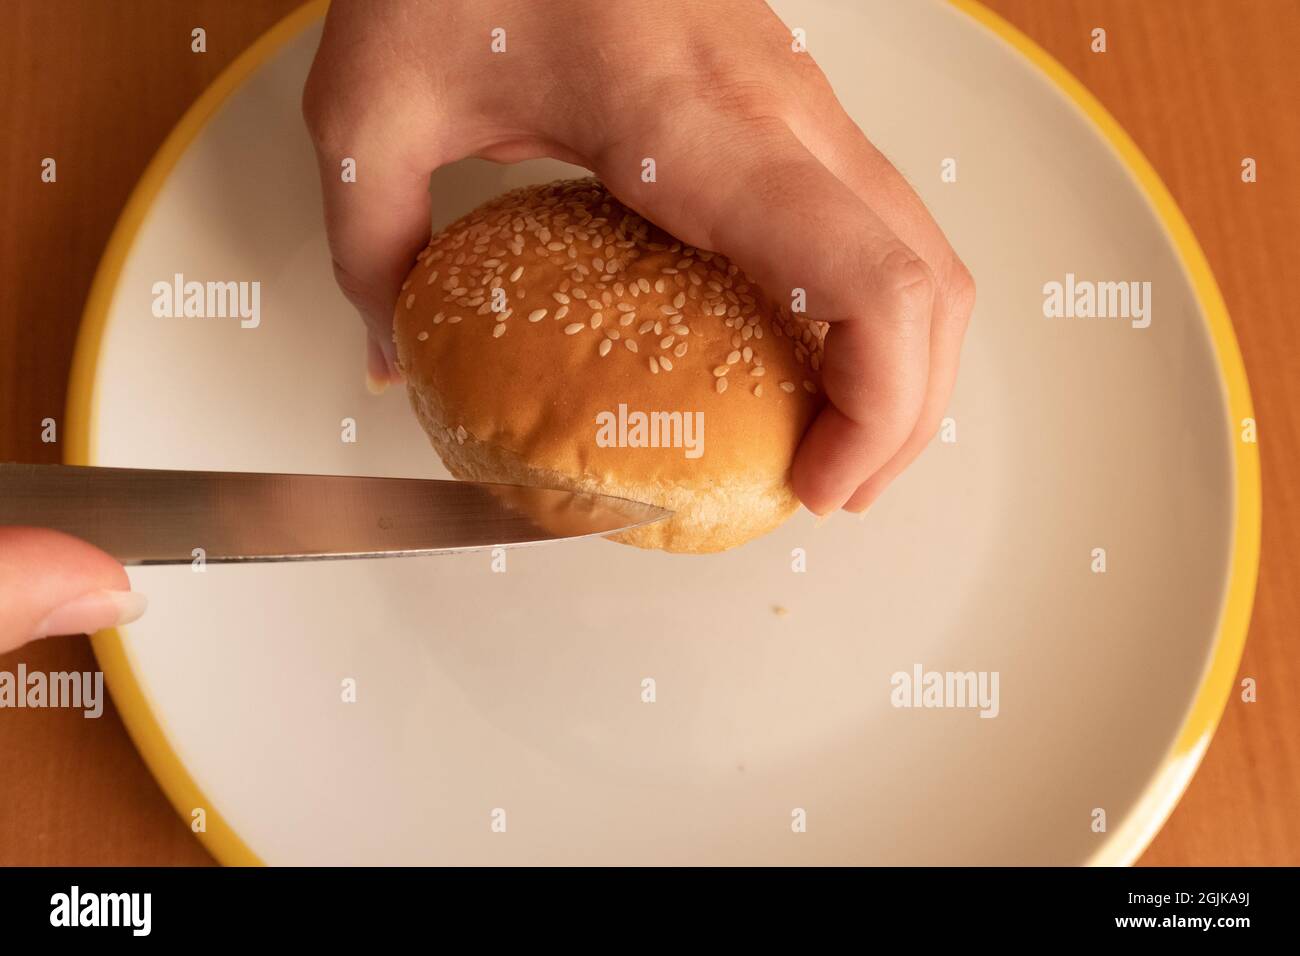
(148, 516)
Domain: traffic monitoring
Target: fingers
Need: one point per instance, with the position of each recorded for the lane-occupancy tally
(376, 144)
(837, 141)
(946, 334)
(757, 194)
(51, 583)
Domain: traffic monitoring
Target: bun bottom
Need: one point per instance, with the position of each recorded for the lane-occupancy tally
(706, 519)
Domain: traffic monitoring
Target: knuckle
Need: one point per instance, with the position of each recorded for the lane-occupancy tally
(353, 287)
(316, 112)
(745, 96)
(903, 279)
(960, 290)
(731, 85)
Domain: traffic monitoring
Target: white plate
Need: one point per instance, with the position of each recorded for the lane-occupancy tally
(522, 691)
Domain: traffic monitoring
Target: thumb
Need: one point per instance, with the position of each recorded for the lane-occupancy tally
(52, 583)
(374, 157)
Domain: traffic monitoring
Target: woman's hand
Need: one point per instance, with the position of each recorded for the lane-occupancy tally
(753, 156)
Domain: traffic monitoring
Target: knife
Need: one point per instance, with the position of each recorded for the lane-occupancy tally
(147, 516)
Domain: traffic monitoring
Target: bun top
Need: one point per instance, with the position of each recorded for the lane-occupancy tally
(553, 305)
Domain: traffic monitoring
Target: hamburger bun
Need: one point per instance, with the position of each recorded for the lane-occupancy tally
(553, 337)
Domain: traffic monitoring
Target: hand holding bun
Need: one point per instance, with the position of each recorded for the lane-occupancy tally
(555, 338)
(754, 156)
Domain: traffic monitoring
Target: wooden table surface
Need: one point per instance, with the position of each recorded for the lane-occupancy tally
(1199, 84)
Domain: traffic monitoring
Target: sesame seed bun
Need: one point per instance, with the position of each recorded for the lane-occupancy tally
(604, 316)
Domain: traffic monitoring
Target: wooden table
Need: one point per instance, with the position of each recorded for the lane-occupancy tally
(1198, 83)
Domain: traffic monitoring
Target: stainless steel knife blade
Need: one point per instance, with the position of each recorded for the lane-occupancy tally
(148, 516)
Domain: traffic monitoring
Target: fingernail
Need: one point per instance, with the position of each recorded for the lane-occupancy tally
(93, 612)
(373, 385)
(821, 520)
(394, 366)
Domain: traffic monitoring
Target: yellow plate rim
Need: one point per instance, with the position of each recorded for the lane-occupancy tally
(1156, 802)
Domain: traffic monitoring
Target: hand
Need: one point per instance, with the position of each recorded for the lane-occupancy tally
(51, 583)
(754, 156)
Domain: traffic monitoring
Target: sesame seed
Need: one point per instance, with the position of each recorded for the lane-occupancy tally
(573, 328)
(498, 330)
(461, 434)
(654, 365)
(787, 386)
(593, 240)
(721, 370)
(720, 385)
(405, 284)
(809, 387)
(422, 336)
(410, 299)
